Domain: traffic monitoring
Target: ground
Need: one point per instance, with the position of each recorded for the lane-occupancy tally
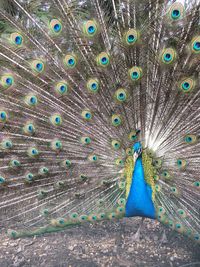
(106, 244)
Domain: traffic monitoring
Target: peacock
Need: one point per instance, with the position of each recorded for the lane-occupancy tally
(99, 113)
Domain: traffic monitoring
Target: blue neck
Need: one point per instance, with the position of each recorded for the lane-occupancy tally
(139, 202)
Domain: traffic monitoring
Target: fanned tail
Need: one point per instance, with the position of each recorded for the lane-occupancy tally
(81, 82)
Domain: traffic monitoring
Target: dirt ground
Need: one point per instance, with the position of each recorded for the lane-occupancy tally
(106, 244)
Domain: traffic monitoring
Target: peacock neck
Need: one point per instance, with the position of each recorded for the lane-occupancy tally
(139, 202)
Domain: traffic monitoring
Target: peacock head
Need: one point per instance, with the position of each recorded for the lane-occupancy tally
(137, 149)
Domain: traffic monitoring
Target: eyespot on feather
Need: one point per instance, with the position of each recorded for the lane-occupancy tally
(90, 28)
(103, 60)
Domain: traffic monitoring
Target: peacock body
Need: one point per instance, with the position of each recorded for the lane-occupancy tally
(99, 113)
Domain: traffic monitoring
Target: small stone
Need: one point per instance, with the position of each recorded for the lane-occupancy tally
(155, 238)
(130, 249)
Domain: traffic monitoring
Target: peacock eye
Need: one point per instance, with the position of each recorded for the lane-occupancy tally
(197, 237)
(45, 212)
(187, 85)
(15, 163)
(43, 170)
(181, 163)
(112, 215)
(176, 14)
(61, 88)
(66, 164)
(190, 139)
(3, 116)
(56, 145)
(129, 151)
(121, 201)
(83, 217)
(179, 227)
(197, 184)
(119, 162)
(6, 144)
(166, 175)
(32, 152)
(93, 158)
(93, 217)
(7, 80)
(16, 39)
(171, 224)
(103, 59)
(116, 120)
(87, 115)
(2, 180)
(158, 188)
(195, 45)
(74, 215)
(93, 85)
(90, 28)
(29, 129)
(29, 177)
(116, 144)
(101, 216)
(85, 140)
(135, 73)
(132, 136)
(121, 95)
(37, 66)
(174, 190)
(161, 210)
(56, 120)
(176, 11)
(42, 194)
(131, 37)
(122, 185)
(55, 26)
(182, 213)
(31, 100)
(70, 61)
(168, 55)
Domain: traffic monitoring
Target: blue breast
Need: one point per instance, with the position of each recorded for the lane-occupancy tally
(139, 202)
